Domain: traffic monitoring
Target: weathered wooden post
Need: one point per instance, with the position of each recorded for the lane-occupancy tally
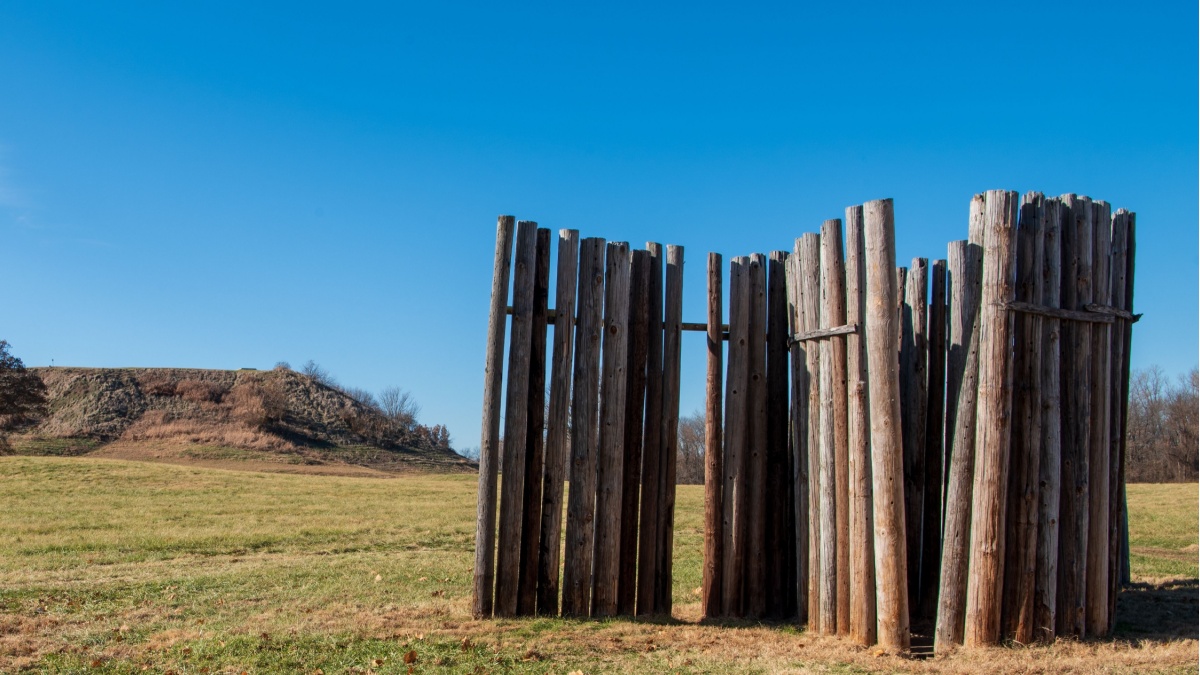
(1045, 584)
(833, 314)
(780, 558)
(652, 441)
(914, 393)
(799, 436)
(756, 442)
(992, 426)
(516, 409)
(1121, 279)
(887, 466)
(581, 500)
(710, 594)
(737, 406)
(672, 327)
(931, 510)
(1100, 459)
(809, 253)
(531, 508)
(635, 403)
(858, 439)
(489, 444)
(557, 426)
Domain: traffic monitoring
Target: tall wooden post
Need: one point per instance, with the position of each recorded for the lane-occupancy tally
(1119, 278)
(1100, 460)
(756, 442)
(914, 392)
(931, 515)
(858, 439)
(635, 403)
(737, 407)
(672, 330)
(557, 424)
(799, 436)
(489, 444)
(1120, 568)
(615, 361)
(512, 489)
(710, 593)
(581, 500)
(992, 425)
(887, 466)
(1045, 584)
(780, 589)
(833, 313)
(1076, 416)
(809, 249)
(651, 441)
(531, 511)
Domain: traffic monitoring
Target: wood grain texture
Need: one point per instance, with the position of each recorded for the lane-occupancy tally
(1045, 584)
(779, 544)
(737, 408)
(651, 487)
(799, 437)
(1076, 413)
(635, 403)
(512, 488)
(809, 246)
(581, 499)
(489, 442)
(914, 401)
(609, 476)
(714, 480)
(531, 511)
(887, 465)
(1121, 569)
(672, 354)
(931, 510)
(833, 313)
(1118, 277)
(992, 424)
(558, 426)
(858, 440)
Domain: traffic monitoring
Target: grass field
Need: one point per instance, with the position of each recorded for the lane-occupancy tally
(129, 567)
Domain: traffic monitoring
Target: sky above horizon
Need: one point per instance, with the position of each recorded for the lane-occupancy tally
(213, 185)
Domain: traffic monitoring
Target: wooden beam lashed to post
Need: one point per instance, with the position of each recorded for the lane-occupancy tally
(858, 440)
(780, 544)
(1076, 415)
(512, 488)
(737, 406)
(1045, 584)
(531, 512)
(557, 423)
(614, 362)
(581, 500)
(883, 335)
(992, 430)
(489, 444)
(635, 403)
(672, 320)
(914, 392)
(651, 487)
(809, 249)
(710, 589)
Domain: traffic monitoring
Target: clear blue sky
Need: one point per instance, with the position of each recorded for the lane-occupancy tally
(210, 185)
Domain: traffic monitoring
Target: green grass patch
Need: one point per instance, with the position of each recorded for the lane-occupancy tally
(1163, 524)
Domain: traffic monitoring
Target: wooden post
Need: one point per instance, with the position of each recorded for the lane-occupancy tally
(489, 443)
(887, 464)
(992, 424)
(710, 593)
(1045, 584)
(1119, 281)
(536, 425)
(581, 500)
(834, 311)
(1100, 460)
(931, 517)
(651, 441)
(512, 488)
(557, 426)
(1020, 563)
(1076, 427)
(756, 442)
(799, 436)
(672, 320)
(914, 392)
(779, 565)
(809, 249)
(1121, 543)
(635, 402)
(737, 407)
(858, 431)
(615, 351)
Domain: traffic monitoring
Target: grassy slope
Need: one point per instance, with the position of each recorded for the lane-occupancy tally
(119, 566)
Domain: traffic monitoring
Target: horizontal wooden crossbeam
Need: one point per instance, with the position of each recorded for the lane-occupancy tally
(1092, 313)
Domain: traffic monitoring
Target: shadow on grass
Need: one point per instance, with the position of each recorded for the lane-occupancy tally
(1159, 612)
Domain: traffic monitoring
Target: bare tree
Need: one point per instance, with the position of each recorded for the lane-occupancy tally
(318, 374)
(689, 468)
(399, 406)
(1162, 432)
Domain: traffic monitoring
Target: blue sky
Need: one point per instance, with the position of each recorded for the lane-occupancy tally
(211, 185)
